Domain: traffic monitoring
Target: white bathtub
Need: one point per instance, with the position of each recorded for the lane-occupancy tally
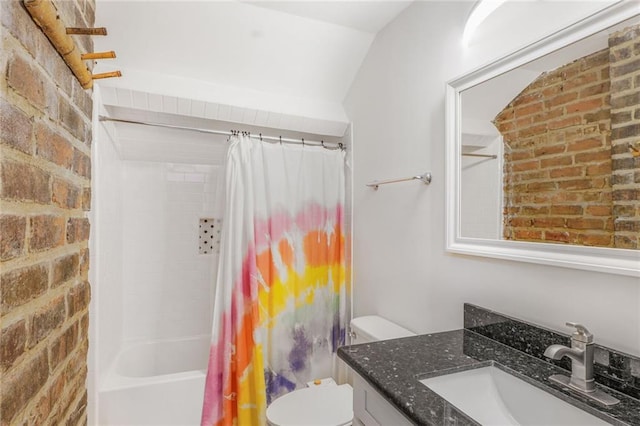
(155, 383)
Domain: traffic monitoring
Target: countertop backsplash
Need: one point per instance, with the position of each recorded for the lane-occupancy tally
(613, 369)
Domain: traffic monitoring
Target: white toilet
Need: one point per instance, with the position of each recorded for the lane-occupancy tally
(330, 404)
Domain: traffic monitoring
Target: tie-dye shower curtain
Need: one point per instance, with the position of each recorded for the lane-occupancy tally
(281, 298)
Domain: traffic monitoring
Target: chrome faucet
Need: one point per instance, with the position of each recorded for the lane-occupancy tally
(581, 354)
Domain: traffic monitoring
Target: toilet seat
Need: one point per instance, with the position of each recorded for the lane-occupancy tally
(313, 406)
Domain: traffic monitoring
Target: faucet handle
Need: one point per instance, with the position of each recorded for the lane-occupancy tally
(581, 334)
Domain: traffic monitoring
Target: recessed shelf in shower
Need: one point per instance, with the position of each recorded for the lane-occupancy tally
(209, 236)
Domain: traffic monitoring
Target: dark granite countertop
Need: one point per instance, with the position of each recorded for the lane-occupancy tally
(394, 368)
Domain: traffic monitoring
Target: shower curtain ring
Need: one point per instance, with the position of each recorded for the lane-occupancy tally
(260, 137)
(302, 141)
(322, 143)
(280, 139)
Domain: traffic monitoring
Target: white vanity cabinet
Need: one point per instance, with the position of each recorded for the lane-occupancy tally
(372, 409)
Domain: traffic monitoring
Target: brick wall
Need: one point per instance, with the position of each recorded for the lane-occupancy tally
(559, 177)
(625, 136)
(45, 172)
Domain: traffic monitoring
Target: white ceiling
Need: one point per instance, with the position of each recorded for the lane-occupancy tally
(362, 15)
(296, 58)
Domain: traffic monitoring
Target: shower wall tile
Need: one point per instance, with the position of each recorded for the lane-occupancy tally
(169, 287)
(195, 177)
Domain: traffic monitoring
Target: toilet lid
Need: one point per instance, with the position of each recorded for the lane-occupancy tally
(318, 405)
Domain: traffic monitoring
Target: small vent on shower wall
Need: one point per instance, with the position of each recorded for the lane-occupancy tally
(209, 238)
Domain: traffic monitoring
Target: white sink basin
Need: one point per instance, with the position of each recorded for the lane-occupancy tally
(492, 397)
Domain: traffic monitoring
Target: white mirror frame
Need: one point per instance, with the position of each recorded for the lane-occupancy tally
(600, 259)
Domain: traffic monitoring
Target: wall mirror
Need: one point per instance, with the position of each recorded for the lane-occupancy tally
(543, 150)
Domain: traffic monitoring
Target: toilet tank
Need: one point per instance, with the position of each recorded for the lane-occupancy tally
(372, 327)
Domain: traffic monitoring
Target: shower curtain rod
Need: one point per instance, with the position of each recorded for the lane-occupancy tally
(280, 139)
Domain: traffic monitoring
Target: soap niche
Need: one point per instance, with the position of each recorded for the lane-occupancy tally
(209, 235)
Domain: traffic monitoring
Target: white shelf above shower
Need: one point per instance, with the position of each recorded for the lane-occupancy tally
(322, 119)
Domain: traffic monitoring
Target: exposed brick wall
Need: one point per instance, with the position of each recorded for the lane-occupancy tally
(45, 172)
(625, 135)
(562, 171)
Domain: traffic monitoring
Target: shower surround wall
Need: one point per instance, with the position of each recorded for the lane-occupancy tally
(155, 294)
(45, 122)
(148, 213)
(167, 285)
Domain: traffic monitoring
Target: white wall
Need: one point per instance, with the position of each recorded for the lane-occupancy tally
(401, 270)
(105, 273)
(168, 285)
(106, 247)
